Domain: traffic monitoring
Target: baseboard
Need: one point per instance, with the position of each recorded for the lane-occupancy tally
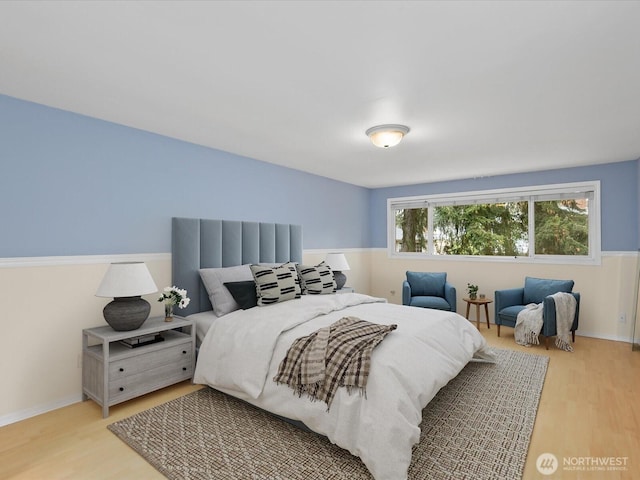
(580, 333)
(38, 410)
(615, 338)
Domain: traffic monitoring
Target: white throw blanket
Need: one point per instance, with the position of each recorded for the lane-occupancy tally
(529, 322)
(528, 325)
(565, 313)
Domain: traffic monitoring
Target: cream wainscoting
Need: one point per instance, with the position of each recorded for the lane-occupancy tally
(607, 290)
(48, 301)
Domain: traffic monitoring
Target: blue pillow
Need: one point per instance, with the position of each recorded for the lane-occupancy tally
(535, 289)
(427, 284)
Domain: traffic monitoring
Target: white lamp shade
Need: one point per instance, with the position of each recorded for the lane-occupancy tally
(337, 262)
(126, 279)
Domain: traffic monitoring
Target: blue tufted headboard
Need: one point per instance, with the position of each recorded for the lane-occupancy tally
(201, 243)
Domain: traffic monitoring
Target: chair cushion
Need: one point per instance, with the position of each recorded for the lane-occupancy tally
(535, 289)
(438, 303)
(510, 314)
(429, 284)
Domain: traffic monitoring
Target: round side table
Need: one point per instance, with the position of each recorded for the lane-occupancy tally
(478, 302)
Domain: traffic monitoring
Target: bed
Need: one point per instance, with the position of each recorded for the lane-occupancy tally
(240, 350)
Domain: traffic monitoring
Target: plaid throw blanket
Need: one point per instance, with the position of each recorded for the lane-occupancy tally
(332, 357)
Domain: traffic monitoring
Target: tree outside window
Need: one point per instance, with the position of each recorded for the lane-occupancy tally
(533, 225)
(562, 227)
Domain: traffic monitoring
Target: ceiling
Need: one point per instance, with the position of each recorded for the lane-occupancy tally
(487, 88)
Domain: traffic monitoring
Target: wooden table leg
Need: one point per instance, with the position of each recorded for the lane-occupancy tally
(486, 314)
(468, 306)
(478, 316)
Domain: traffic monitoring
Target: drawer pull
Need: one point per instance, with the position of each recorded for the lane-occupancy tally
(184, 352)
(122, 389)
(121, 369)
(184, 369)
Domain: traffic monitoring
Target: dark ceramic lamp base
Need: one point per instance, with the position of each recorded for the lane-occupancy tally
(126, 313)
(340, 279)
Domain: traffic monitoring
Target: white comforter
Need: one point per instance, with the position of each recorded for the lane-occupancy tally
(242, 350)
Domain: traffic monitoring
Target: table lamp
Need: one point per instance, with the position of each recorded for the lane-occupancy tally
(338, 263)
(126, 282)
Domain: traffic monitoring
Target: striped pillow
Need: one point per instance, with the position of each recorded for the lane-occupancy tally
(294, 271)
(317, 280)
(273, 285)
(291, 266)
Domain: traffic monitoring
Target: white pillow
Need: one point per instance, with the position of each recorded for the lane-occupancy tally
(214, 280)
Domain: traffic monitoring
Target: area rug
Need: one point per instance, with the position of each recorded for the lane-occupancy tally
(478, 427)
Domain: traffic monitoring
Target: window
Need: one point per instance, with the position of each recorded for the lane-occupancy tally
(551, 223)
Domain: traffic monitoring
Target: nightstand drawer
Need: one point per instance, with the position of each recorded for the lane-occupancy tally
(147, 361)
(134, 385)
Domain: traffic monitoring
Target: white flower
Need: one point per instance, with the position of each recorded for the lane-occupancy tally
(174, 296)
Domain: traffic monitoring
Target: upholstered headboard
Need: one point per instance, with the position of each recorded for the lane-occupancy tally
(201, 243)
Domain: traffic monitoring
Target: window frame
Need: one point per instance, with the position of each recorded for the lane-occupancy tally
(528, 193)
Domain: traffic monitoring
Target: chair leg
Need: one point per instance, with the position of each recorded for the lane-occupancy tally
(546, 342)
(573, 336)
(498, 329)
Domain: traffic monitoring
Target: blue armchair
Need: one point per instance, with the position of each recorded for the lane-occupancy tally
(536, 290)
(429, 290)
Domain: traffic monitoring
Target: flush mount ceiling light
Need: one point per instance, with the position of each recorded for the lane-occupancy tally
(385, 136)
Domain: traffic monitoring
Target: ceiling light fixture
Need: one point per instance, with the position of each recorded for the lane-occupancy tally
(385, 136)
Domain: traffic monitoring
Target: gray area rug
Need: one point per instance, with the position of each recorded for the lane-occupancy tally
(477, 427)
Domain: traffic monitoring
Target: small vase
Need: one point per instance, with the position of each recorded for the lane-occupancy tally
(168, 312)
(472, 296)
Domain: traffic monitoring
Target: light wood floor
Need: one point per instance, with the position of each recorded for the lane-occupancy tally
(590, 407)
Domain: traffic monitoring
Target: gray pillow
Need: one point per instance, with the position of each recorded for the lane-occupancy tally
(214, 280)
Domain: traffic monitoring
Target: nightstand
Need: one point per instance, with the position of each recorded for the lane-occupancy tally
(346, 290)
(113, 372)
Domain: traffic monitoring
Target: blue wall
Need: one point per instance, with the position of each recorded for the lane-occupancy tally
(74, 185)
(618, 194)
